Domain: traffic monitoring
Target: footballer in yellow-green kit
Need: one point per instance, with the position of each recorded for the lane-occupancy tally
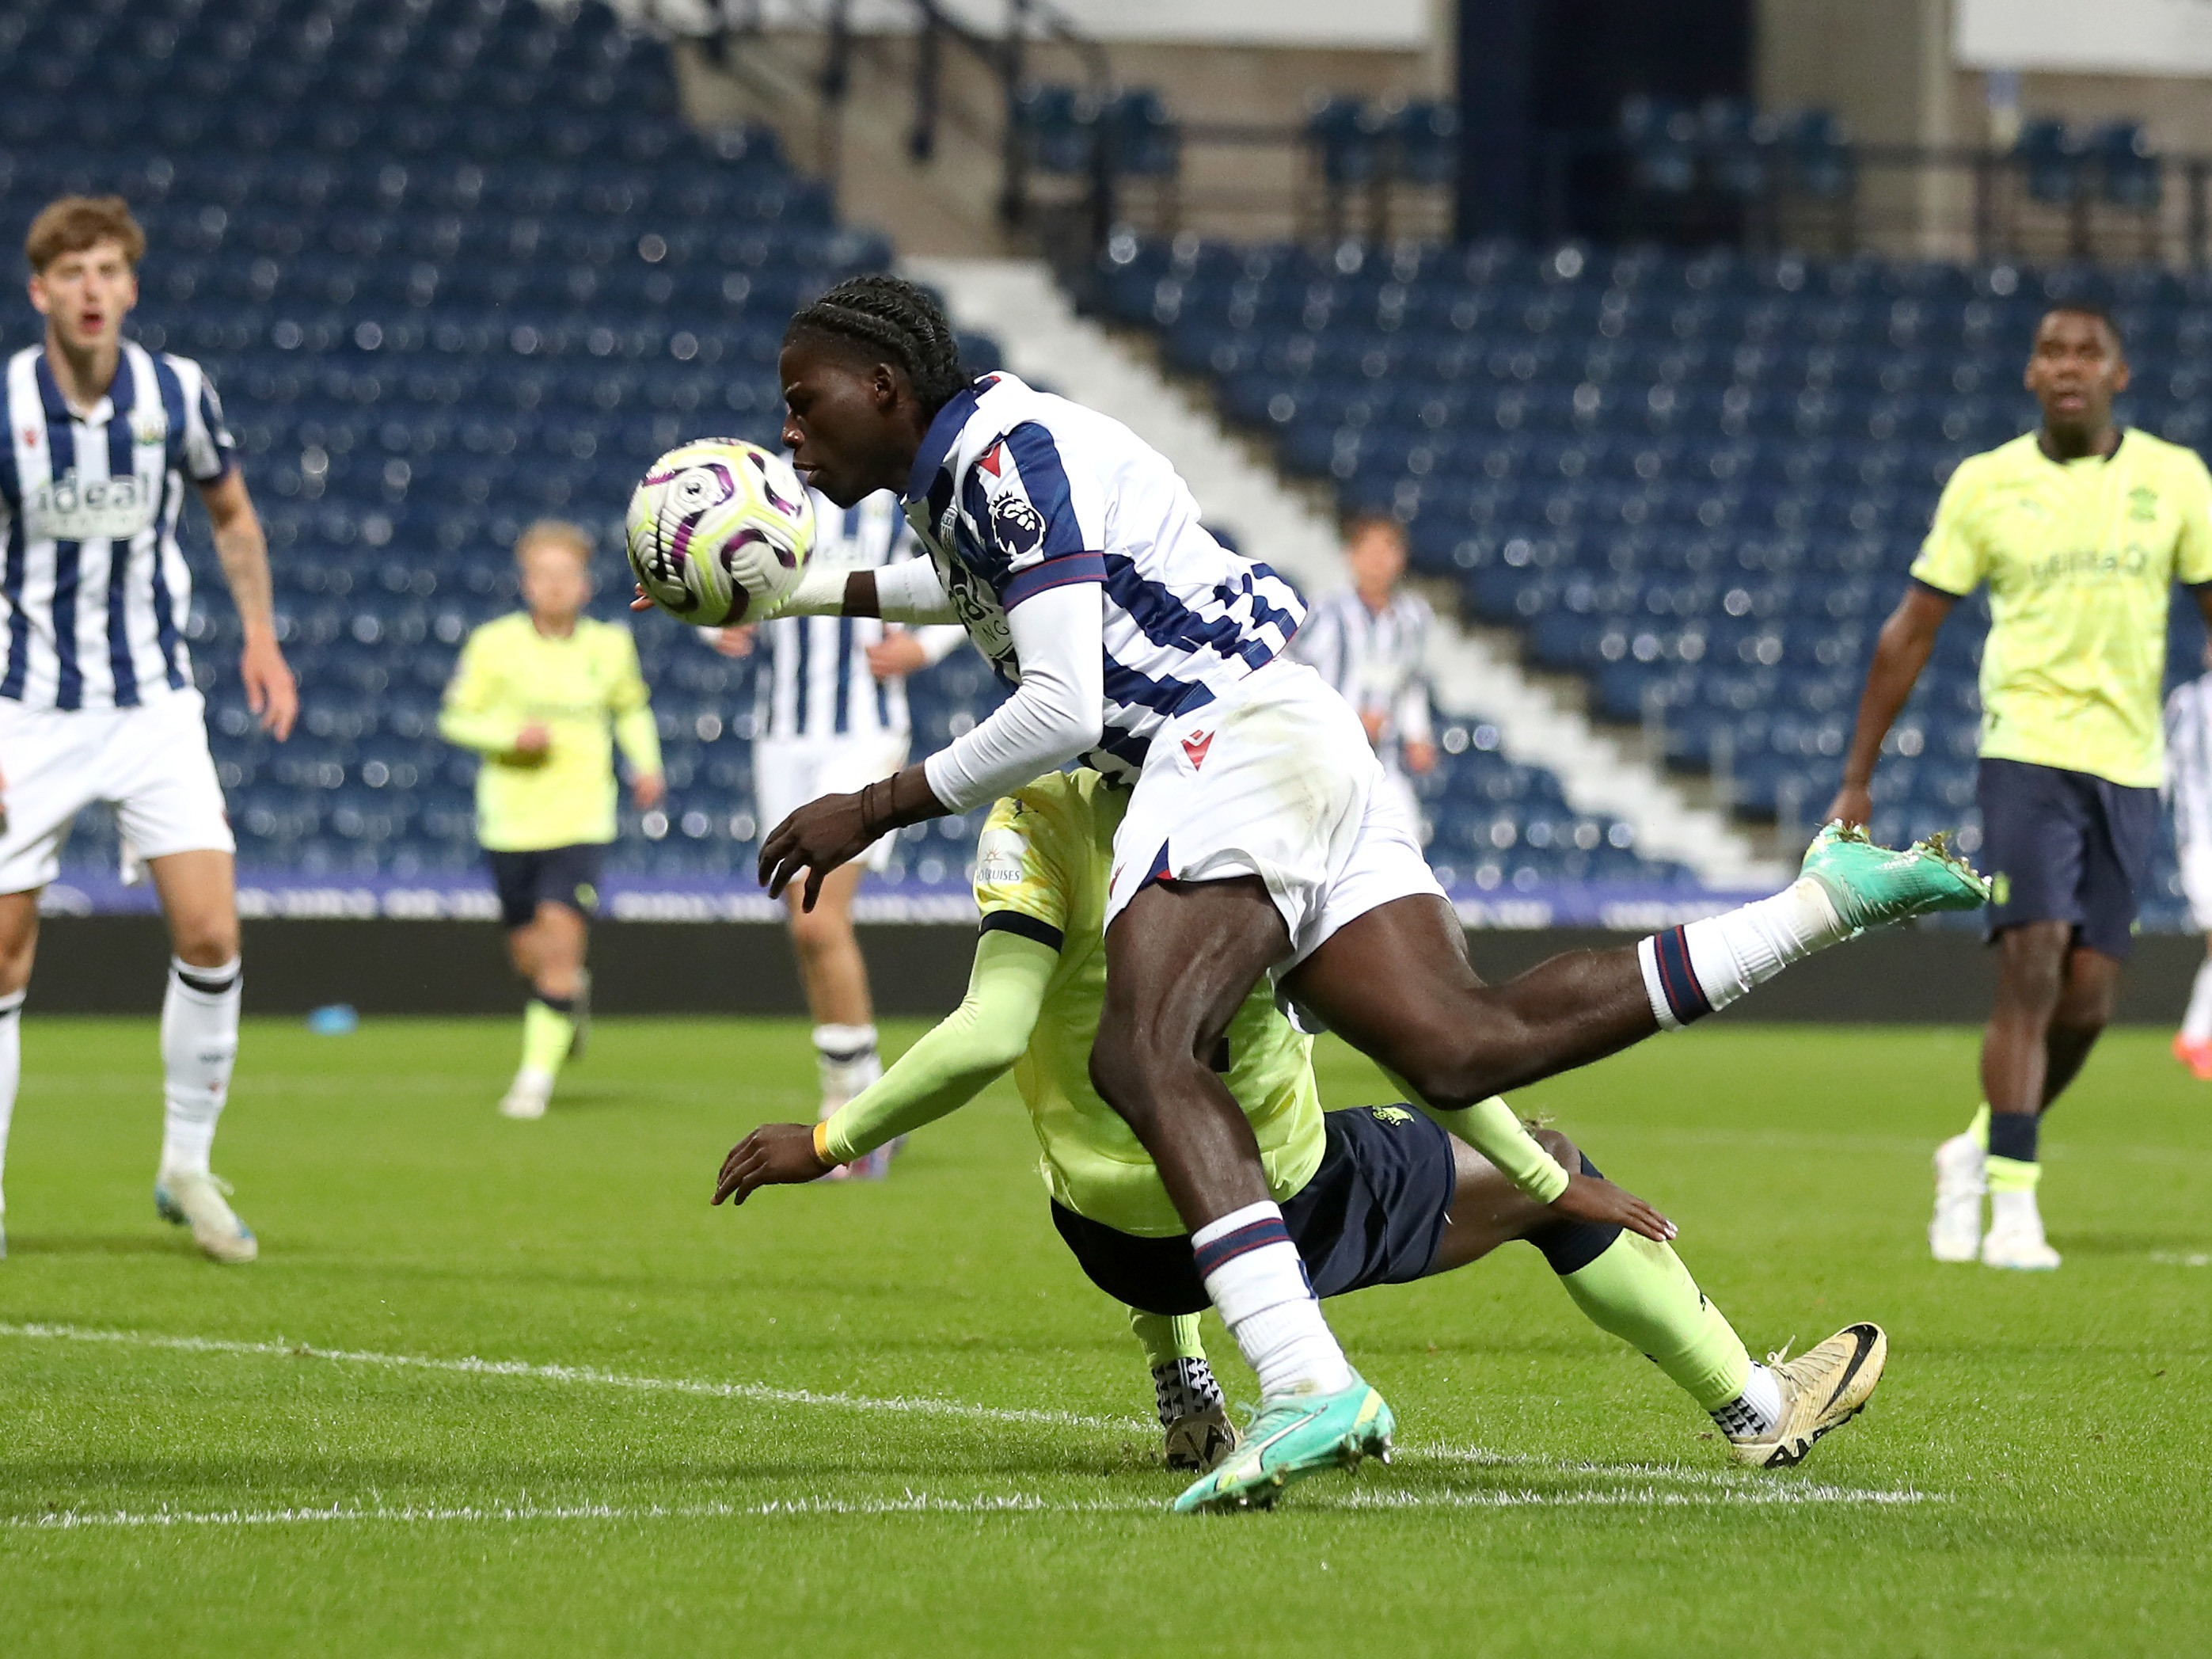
(1371, 1195)
(2079, 531)
(544, 695)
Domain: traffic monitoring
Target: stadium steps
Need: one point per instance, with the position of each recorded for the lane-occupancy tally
(771, 78)
(1043, 340)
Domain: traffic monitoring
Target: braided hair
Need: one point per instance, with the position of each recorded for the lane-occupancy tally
(898, 319)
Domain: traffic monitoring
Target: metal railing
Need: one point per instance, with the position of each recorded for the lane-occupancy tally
(1907, 200)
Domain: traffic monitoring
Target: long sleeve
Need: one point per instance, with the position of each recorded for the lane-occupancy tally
(1320, 644)
(630, 703)
(1490, 1128)
(1411, 713)
(1055, 714)
(469, 717)
(940, 641)
(957, 1058)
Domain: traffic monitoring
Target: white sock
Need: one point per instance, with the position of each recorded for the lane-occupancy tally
(11, 1072)
(1256, 1281)
(2015, 1212)
(1690, 971)
(199, 1045)
(1754, 1412)
(846, 1060)
(2196, 1024)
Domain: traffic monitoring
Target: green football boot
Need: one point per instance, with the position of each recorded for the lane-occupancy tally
(1871, 886)
(1290, 1438)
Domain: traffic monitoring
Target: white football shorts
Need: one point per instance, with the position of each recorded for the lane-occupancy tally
(1275, 780)
(150, 764)
(789, 772)
(2196, 860)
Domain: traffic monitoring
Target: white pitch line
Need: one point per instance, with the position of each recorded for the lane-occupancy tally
(755, 1392)
(922, 1504)
(1729, 1488)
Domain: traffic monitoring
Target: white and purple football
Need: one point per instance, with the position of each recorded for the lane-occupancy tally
(719, 531)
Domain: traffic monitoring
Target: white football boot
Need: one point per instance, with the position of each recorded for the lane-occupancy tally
(1961, 1178)
(2016, 1237)
(197, 1199)
(526, 1098)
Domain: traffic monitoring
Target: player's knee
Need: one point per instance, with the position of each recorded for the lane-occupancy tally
(1117, 1073)
(820, 929)
(206, 941)
(19, 942)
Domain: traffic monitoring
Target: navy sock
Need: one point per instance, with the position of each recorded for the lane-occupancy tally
(564, 1007)
(2012, 1134)
(1570, 1246)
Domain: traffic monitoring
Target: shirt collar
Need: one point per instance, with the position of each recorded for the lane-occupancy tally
(937, 442)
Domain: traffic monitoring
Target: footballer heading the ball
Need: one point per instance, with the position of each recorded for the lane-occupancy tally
(719, 531)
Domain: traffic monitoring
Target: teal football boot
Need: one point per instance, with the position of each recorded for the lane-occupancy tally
(1871, 886)
(1294, 1436)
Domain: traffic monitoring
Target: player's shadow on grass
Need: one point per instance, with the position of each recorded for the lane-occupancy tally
(584, 1097)
(21, 1244)
(2127, 1244)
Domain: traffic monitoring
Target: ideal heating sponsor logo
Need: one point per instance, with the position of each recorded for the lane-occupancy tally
(71, 509)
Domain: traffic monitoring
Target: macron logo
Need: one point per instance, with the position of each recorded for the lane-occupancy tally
(1195, 746)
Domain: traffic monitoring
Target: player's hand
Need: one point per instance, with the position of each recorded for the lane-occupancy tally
(271, 690)
(1373, 721)
(1593, 1197)
(817, 838)
(648, 790)
(735, 642)
(774, 1155)
(533, 742)
(1853, 805)
(896, 654)
(1420, 758)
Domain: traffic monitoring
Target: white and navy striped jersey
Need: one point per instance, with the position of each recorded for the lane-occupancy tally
(1016, 491)
(1377, 659)
(813, 679)
(94, 591)
(2188, 761)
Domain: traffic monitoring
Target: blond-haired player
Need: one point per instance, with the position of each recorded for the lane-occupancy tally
(545, 694)
(97, 698)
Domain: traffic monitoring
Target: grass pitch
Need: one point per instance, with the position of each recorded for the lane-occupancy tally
(515, 1387)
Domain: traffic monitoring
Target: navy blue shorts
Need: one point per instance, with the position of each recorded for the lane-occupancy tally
(2063, 846)
(558, 875)
(1374, 1213)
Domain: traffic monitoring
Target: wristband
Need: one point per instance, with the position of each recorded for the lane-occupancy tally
(822, 1144)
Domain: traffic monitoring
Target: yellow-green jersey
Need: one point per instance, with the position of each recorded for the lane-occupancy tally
(1042, 868)
(2080, 557)
(586, 691)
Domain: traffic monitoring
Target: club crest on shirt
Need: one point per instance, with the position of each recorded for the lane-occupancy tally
(67, 509)
(149, 427)
(1017, 526)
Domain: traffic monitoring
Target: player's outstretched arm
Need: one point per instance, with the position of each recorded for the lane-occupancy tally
(953, 1063)
(271, 690)
(1055, 714)
(1900, 653)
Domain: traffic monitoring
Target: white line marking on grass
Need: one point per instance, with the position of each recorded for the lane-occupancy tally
(757, 1393)
(923, 1503)
(1725, 1487)
(2176, 1259)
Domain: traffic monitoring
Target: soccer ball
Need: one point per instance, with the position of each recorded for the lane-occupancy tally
(719, 530)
